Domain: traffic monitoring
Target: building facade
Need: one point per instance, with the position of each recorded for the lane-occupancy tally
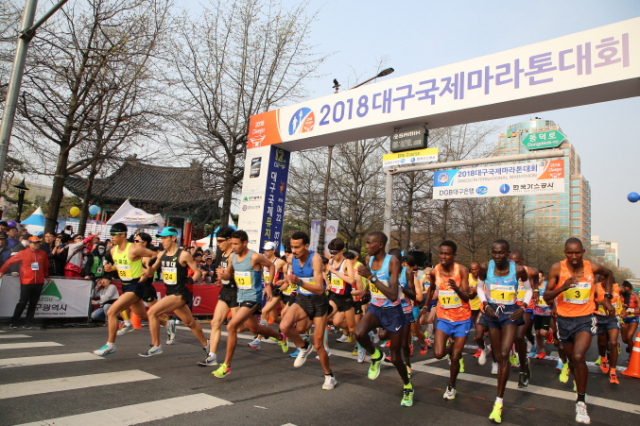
(568, 213)
(604, 251)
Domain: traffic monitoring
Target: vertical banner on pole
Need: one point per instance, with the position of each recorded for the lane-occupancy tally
(264, 190)
(315, 234)
(330, 233)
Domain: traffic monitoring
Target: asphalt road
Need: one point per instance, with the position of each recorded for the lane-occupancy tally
(78, 388)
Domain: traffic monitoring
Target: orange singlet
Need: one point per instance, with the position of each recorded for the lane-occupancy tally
(599, 298)
(576, 301)
(450, 307)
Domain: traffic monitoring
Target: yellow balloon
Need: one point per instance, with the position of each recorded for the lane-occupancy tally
(74, 211)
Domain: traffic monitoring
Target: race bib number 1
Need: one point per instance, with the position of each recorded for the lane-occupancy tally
(502, 294)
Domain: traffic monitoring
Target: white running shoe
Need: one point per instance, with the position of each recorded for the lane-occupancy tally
(581, 413)
(362, 354)
(330, 382)
(450, 393)
(482, 359)
(302, 356)
(209, 361)
(171, 332)
(375, 338)
(105, 350)
(124, 330)
(494, 367)
(343, 339)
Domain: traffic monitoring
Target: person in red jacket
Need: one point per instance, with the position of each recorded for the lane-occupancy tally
(34, 268)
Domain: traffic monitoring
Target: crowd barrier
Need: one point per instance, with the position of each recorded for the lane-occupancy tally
(71, 297)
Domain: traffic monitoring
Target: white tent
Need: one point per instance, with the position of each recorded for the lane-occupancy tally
(35, 223)
(130, 215)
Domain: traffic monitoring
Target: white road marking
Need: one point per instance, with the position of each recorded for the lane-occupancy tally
(139, 413)
(15, 390)
(14, 336)
(28, 345)
(47, 359)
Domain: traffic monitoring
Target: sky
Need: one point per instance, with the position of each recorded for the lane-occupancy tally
(412, 36)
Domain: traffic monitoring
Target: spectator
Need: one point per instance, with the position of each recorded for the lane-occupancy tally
(108, 244)
(68, 230)
(4, 226)
(12, 237)
(94, 263)
(75, 255)
(5, 252)
(24, 243)
(208, 270)
(96, 240)
(60, 253)
(23, 231)
(107, 293)
(34, 268)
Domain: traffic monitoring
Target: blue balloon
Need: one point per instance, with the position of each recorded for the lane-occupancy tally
(633, 197)
(94, 210)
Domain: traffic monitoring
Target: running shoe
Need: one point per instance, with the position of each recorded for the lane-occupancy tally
(449, 393)
(13, 326)
(494, 367)
(171, 332)
(354, 352)
(284, 344)
(374, 368)
(407, 397)
(461, 365)
(330, 382)
(482, 359)
(408, 371)
(374, 337)
(598, 361)
(295, 353)
(613, 377)
(533, 351)
(564, 374)
(496, 413)
(387, 359)
(27, 327)
(254, 344)
(514, 360)
(209, 361)
(387, 344)
(153, 350)
(343, 339)
(302, 356)
(549, 338)
(477, 354)
(105, 350)
(581, 413)
(559, 365)
(124, 330)
(362, 354)
(604, 365)
(410, 350)
(541, 355)
(222, 372)
(575, 386)
(350, 338)
(423, 349)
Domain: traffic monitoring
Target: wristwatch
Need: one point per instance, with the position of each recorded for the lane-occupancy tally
(608, 295)
(373, 279)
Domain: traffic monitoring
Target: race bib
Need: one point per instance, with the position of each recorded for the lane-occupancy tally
(292, 287)
(309, 281)
(521, 293)
(336, 283)
(35, 266)
(502, 294)
(578, 295)
(124, 272)
(375, 291)
(541, 302)
(170, 275)
(266, 277)
(243, 280)
(448, 299)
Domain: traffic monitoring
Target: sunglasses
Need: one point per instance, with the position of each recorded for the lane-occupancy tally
(113, 234)
(333, 253)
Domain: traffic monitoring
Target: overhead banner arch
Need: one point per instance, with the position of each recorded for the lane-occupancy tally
(597, 65)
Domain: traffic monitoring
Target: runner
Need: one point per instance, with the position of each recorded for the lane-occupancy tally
(280, 265)
(454, 313)
(409, 262)
(608, 330)
(361, 298)
(127, 258)
(246, 268)
(227, 299)
(310, 304)
(342, 281)
(382, 271)
(541, 317)
(524, 331)
(572, 283)
(498, 293)
(174, 263)
(630, 313)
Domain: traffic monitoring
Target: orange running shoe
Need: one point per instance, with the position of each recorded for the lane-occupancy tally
(549, 338)
(604, 365)
(613, 378)
(541, 355)
(477, 354)
(423, 349)
(410, 350)
(388, 344)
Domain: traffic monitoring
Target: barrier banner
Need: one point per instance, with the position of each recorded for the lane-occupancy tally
(543, 177)
(60, 298)
(205, 297)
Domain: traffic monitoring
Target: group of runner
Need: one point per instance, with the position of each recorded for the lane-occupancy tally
(384, 299)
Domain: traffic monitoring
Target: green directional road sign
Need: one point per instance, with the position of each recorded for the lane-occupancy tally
(543, 140)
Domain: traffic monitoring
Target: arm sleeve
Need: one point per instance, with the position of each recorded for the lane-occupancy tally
(480, 290)
(528, 294)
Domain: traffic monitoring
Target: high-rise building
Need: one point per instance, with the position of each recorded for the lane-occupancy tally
(570, 213)
(604, 251)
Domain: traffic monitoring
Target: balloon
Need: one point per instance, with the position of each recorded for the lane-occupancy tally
(12, 224)
(93, 210)
(633, 197)
(74, 211)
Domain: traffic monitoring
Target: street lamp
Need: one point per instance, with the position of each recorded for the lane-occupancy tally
(22, 188)
(522, 231)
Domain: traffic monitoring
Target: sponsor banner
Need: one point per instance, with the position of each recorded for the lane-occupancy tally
(410, 158)
(478, 89)
(276, 192)
(60, 298)
(543, 177)
(330, 233)
(314, 237)
(205, 297)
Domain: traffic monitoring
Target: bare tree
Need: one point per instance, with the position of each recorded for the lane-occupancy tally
(9, 27)
(231, 62)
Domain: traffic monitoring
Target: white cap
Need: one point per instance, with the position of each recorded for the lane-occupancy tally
(269, 246)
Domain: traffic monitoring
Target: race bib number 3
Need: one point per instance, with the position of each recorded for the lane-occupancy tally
(170, 275)
(448, 299)
(502, 294)
(578, 295)
(243, 280)
(124, 272)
